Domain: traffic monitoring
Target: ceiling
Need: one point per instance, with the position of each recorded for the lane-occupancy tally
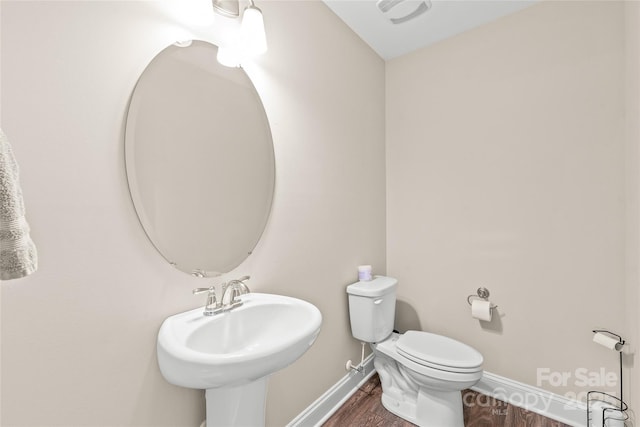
(443, 19)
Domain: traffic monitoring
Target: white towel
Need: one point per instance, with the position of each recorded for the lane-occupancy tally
(18, 256)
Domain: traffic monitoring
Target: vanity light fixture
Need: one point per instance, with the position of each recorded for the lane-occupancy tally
(250, 41)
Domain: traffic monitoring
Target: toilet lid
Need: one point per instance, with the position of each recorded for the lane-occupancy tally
(438, 351)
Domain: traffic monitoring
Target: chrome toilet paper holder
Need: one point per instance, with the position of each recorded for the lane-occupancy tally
(482, 294)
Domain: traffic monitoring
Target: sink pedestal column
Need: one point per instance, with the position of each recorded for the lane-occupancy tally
(241, 405)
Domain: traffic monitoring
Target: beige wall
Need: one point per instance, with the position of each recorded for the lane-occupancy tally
(506, 169)
(78, 337)
(632, 91)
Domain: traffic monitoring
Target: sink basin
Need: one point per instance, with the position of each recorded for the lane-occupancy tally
(265, 334)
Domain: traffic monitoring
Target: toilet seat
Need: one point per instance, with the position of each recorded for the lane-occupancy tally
(389, 348)
(438, 352)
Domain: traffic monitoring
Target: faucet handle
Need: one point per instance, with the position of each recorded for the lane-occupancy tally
(197, 291)
(212, 302)
(239, 283)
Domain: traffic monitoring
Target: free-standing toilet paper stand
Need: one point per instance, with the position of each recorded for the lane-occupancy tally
(604, 409)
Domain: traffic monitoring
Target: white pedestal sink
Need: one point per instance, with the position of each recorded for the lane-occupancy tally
(230, 354)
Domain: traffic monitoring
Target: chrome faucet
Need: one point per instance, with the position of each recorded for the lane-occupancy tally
(231, 293)
(212, 307)
(235, 288)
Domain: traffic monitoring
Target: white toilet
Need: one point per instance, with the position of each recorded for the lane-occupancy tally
(422, 374)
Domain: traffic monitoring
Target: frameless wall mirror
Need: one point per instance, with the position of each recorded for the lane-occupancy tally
(199, 159)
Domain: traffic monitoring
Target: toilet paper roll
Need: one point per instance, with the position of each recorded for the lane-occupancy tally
(607, 341)
(481, 309)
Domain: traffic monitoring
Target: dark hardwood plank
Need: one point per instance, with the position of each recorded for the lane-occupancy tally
(364, 409)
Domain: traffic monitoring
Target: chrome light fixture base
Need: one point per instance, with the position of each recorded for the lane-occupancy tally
(228, 8)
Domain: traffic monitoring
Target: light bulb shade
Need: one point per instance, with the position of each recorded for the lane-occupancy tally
(252, 31)
(229, 56)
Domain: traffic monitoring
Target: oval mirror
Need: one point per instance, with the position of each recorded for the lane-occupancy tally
(199, 159)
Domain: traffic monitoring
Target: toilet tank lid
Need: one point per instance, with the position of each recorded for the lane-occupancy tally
(380, 285)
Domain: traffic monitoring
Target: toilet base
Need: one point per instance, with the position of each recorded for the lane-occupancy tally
(433, 409)
(423, 396)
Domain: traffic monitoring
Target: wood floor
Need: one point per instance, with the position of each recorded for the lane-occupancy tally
(364, 409)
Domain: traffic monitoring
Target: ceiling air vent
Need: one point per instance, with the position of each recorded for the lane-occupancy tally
(401, 11)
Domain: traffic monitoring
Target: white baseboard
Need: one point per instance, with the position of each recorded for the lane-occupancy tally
(547, 404)
(327, 404)
(522, 395)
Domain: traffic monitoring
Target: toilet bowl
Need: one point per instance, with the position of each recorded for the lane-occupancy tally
(422, 374)
(421, 390)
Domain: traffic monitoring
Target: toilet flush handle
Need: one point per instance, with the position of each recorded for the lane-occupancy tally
(378, 301)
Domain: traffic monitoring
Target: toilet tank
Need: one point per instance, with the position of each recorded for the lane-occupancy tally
(372, 308)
